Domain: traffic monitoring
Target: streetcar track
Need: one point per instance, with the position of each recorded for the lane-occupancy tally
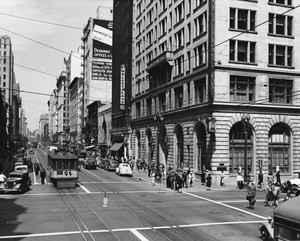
(75, 215)
(149, 212)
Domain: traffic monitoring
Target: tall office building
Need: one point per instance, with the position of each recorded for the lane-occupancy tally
(97, 62)
(122, 76)
(216, 85)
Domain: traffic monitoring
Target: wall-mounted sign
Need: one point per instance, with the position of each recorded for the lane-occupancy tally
(211, 124)
(102, 39)
(101, 70)
(122, 87)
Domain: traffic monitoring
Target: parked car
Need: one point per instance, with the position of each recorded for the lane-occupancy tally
(293, 185)
(31, 151)
(27, 161)
(90, 163)
(18, 182)
(124, 169)
(111, 165)
(100, 162)
(21, 168)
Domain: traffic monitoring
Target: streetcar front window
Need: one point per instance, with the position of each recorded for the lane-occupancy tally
(72, 165)
(59, 165)
(66, 165)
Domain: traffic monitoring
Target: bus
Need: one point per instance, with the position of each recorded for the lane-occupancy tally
(63, 169)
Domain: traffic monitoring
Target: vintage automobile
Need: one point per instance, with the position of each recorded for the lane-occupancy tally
(21, 168)
(293, 185)
(111, 165)
(90, 163)
(27, 161)
(124, 169)
(31, 151)
(285, 222)
(16, 182)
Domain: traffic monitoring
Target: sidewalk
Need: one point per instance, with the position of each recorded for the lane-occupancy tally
(197, 185)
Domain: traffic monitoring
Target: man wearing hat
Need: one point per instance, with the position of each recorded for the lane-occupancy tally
(251, 193)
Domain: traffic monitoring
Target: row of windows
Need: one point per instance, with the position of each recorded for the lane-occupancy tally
(242, 89)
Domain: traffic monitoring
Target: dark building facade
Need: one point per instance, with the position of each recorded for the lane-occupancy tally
(121, 78)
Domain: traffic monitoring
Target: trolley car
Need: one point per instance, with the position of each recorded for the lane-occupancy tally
(63, 169)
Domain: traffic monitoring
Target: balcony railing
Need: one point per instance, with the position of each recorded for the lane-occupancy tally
(165, 57)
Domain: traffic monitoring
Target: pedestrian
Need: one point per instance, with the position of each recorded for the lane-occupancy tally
(191, 178)
(184, 179)
(251, 193)
(239, 181)
(222, 177)
(276, 191)
(278, 181)
(153, 178)
(208, 182)
(178, 184)
(2, 178)
(149, 170)
(36, 169)
(260, 179)
(43, 176)
(203, 177)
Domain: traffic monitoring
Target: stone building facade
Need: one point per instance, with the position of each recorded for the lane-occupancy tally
(216, 86)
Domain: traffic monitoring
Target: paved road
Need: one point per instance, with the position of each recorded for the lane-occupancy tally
(136, 210)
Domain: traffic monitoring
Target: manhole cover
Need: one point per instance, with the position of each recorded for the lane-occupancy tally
(13, 222)
(143, 195)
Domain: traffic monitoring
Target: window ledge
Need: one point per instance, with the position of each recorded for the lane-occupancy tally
(241, 62)
(242, 31)
(280, 66)
(280, 36)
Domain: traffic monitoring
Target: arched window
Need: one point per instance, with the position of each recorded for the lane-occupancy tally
(237, 146)
(179, 149)
(279, 148)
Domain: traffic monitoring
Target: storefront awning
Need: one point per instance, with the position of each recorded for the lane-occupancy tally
(116, 147)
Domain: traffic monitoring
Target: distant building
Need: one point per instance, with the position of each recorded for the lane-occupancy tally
(44, 127)
(97, 61)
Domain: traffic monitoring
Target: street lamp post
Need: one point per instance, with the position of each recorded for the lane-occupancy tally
(245, 120)
(158, 119)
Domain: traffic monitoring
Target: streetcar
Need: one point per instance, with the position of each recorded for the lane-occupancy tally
(63, 170)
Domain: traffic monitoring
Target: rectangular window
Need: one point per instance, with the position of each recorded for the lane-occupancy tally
(242, 88)
(138, 109)
(179, 12)
(242, 51)
(178, 97)
(280, 55)
(280, 24)
(282, 2)
(200, 54)
(200, 24)
(179, 38)
(149, 106)
(200, 90)
(162, 102)
(242, 19)
(179, 65)
(280, 91)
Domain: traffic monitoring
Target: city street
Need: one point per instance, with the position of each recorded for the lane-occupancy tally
(106, 206)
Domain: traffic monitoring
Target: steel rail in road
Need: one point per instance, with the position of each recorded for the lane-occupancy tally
(75, 215)
(151, 212)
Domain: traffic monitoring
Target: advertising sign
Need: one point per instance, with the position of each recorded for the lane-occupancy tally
(102, 38)
(122, 87)
(101, 70)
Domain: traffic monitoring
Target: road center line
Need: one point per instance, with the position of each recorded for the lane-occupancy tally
(84, 188)
(225, 205)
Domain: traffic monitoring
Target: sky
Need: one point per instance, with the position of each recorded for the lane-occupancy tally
(39, 48)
